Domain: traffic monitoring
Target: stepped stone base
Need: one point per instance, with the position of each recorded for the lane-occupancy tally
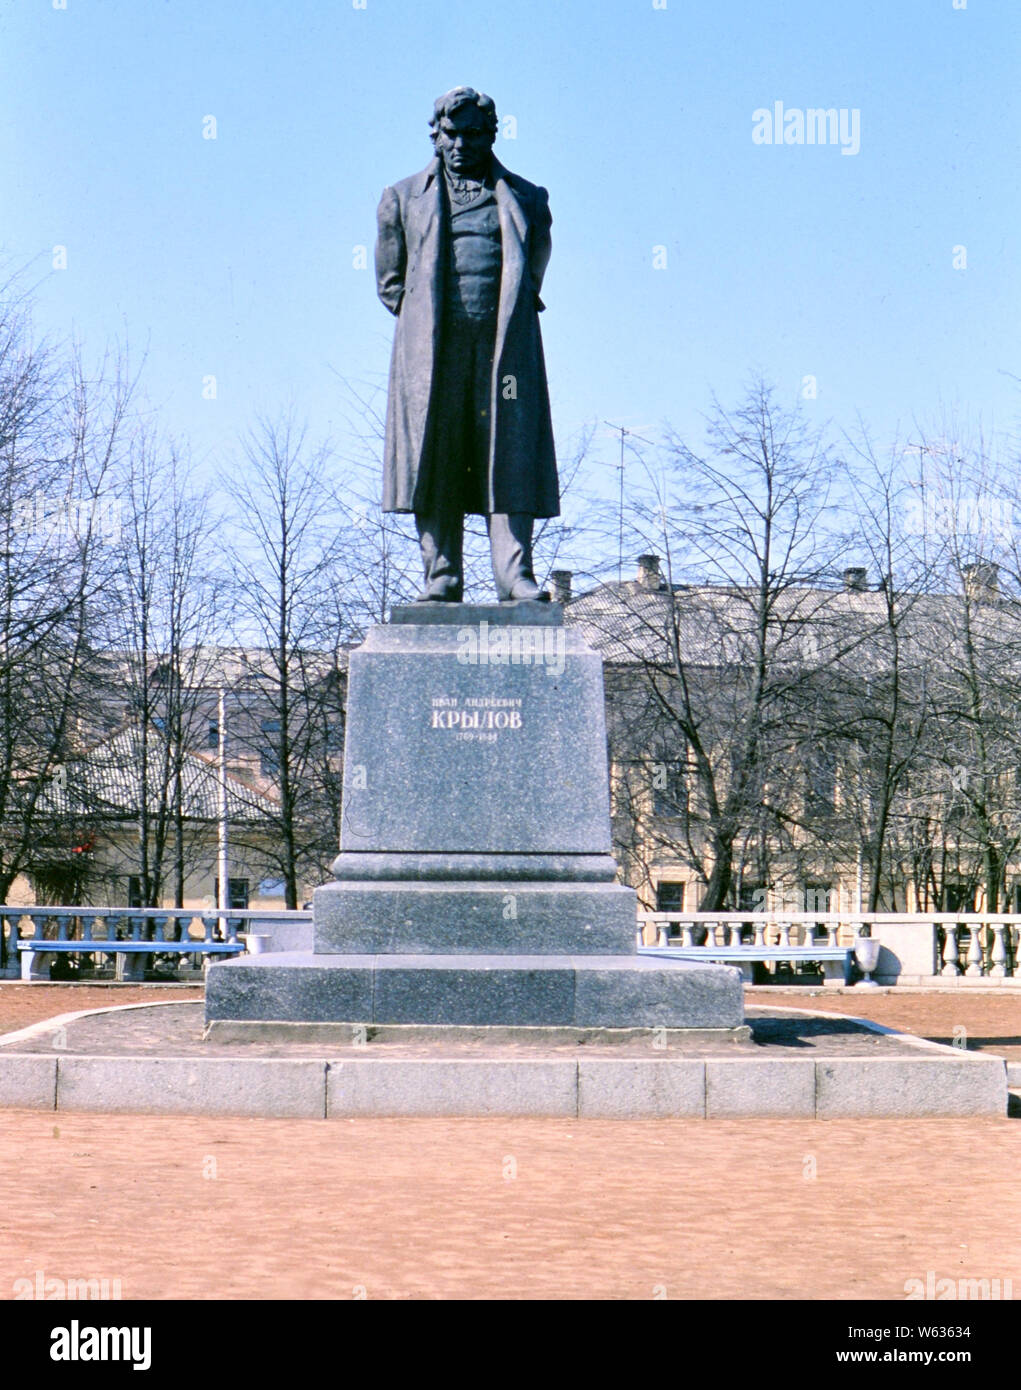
(463, 1039)
(432, 867)
(475, 990)
(475, 882)
(513, 917)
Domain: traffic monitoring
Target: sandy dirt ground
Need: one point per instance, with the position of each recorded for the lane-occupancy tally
(554, 1209)
(21, 1005)
(989, 1022)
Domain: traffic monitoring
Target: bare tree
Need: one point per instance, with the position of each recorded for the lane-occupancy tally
(287, 559)
(165, 614)
(724, 668)
(881, 707)
(60, 440)
(975, 749)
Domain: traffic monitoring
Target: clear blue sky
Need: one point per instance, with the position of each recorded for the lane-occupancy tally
(234, 257)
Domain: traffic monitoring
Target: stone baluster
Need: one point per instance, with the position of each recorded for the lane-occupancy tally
(687, 933)
(951, 955)
(832, 933)
(974, 950)
(662, 933)
(785, 933)
(735, 933)
(710, 934)
(97, 930)
(998, 959)
(760, 932)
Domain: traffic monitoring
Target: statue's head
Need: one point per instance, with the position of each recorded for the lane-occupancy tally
(463, 131)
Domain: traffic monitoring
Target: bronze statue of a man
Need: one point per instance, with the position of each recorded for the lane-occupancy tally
(460, 256)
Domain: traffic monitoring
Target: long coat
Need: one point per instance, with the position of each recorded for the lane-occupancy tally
(411, 261)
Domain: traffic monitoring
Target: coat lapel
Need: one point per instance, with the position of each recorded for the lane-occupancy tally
(430, 210)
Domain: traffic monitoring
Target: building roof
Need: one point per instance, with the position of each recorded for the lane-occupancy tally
(207, 667)
(105, 782)
(631, 623)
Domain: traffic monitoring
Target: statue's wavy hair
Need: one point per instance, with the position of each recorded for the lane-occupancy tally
(452, 101)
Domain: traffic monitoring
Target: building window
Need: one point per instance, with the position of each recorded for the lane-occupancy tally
(753, 897)
(817, 897)
(822, 782)
(237, 893)
(669, 789)
(958, 897)
(269, 756)
(669, 897)
(213, 734)
(135, 891)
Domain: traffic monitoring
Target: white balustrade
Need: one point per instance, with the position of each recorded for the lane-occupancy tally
(991, 953)
(974, 950)
(998, 956)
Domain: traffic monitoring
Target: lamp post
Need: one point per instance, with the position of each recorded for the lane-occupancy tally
(223, 856)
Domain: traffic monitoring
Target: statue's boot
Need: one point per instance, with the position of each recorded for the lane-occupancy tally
(441, 541)
(510, 547)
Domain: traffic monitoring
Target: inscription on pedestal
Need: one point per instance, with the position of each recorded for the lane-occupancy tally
(477, 718)
(502, 754)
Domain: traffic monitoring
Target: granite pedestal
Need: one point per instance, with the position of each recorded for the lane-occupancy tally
(475, 880)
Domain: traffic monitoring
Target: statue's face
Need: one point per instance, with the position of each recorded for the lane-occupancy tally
(464, 143)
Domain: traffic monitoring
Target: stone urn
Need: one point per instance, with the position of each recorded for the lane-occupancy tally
(866, 953)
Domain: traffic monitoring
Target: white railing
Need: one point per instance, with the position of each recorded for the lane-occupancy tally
(916, 945)
(94, 926)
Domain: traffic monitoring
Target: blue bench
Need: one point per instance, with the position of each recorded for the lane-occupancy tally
(746, 956)
(131, 949)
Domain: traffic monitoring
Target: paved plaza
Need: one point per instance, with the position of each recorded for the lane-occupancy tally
(200, 1207)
